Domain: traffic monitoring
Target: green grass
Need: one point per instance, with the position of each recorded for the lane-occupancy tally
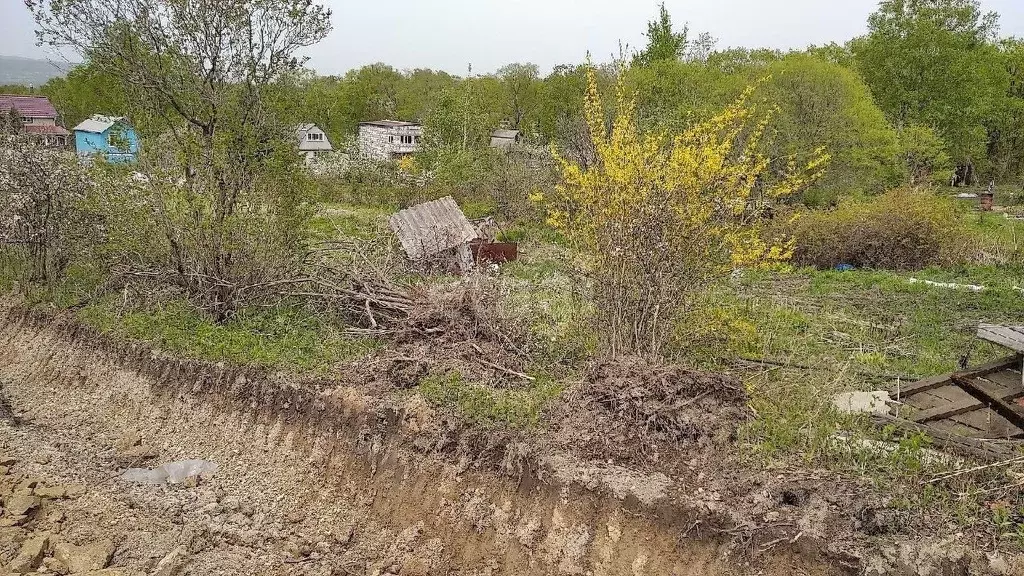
(335, 221)
(278, 338)
(838, 332)
(517, 407)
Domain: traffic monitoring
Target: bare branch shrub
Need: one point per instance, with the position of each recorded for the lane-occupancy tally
(199, 77)
(42, 190)
(516, 175)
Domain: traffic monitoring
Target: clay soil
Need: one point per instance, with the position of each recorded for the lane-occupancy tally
(634, 473)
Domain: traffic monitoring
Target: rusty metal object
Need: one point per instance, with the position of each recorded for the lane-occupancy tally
(494, 252)
(986, 201)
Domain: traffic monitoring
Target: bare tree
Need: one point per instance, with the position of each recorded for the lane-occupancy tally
(199, 74)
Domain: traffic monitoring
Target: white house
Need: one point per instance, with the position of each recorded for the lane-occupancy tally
(389, 139)
(312, 141)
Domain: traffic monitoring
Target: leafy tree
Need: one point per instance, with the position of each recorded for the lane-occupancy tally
(370, 93)
(673, 95)
(521, 93)
(824, 105)
(932, 63)
(86, 90)
(663, 43)
(203, 71)
(743, 60)
(561, 98)
(1006, 124)
(419, 91)
(834, 53)
(20, 89)
(924, 155)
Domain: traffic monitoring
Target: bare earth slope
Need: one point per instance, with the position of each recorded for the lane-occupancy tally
(320, 478)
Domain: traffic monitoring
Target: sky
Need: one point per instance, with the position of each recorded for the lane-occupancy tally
(452, 34)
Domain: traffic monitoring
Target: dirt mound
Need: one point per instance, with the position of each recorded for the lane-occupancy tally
(681, 403)
(633, 410)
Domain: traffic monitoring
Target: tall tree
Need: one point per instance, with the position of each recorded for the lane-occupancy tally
(371, 93)
(822, 105)
(203, 70)
(86, 90)
(663, 42)
(933, 63)
(1006, 125)
(521, 92)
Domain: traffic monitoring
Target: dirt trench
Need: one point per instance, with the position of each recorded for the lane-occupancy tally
(314, 479)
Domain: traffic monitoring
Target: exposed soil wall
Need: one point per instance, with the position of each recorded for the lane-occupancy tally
(316, 478)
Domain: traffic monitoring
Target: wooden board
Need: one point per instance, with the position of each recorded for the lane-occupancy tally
(1011, 337)
(932, 382)
(964, 402)
(989, 395)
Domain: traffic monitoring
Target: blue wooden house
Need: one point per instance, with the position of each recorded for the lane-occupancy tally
(110, 136)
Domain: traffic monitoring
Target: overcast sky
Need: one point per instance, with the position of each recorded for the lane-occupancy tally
(450, 34)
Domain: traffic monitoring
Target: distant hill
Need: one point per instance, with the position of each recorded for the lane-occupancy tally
(29, 71)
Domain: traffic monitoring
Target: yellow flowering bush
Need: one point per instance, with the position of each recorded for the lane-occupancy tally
(657, 217)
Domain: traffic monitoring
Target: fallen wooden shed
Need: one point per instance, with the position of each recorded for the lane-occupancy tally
(429, 229)
(440, 230)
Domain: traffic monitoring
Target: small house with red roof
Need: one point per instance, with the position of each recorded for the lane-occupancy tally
(37, 117)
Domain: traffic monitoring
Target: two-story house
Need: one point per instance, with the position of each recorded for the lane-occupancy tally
(312, 141)
(37, 117)
(389, 139)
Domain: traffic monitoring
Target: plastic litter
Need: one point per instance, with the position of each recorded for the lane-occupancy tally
(170, 473)
(844, 267)
(862, 402)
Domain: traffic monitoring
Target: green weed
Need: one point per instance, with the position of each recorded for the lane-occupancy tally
(282, 337)
(520, 407)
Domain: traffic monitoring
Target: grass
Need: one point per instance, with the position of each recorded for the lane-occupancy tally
(334, 221)
(517, 407)
(278, 338)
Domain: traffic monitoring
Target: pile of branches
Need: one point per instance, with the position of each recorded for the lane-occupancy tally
(456, 326)
(373, 307)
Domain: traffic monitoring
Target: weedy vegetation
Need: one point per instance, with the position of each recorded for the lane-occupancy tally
(751, 212)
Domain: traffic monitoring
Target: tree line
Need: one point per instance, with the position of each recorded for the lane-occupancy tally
(931, 92)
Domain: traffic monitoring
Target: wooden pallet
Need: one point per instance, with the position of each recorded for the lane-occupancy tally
(978, 403)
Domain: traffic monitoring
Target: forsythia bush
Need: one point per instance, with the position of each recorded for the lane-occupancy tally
(655, 218)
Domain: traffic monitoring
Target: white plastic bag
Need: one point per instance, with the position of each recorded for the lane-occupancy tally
(170, 473)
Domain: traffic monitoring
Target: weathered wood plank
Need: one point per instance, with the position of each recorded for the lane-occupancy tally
(991, 424)
(996, 389)
(934, 382)
(984, 393)
(1005, 384)
(985, 450)
(1011, 379)
(1011, 337)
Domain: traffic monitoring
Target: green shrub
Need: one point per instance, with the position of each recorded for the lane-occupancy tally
(899, 230)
